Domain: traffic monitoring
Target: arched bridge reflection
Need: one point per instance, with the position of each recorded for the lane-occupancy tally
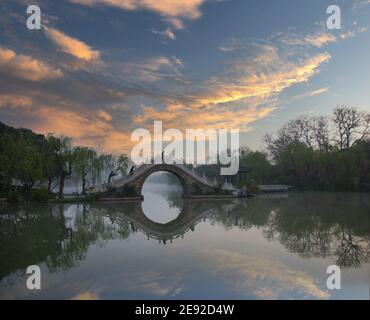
(193, 212)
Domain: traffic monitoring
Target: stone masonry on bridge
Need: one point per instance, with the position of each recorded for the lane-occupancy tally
(191, 185)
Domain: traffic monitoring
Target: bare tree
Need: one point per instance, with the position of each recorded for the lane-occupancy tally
(351, 125)
(319, 128)
(303, 126)
(297, 130)
(276, 146)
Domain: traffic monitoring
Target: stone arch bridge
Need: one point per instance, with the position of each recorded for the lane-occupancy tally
(192, 182)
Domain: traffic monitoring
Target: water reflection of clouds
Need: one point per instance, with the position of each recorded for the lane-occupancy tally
(145, 282)
(261, 277)
(87, 295)
(155, 283)
(125, 276)
(106, 252)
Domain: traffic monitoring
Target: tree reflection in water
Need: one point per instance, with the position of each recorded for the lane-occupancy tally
(312, 225)
(32, 235)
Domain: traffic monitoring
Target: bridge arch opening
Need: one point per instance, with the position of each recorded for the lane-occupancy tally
(163, 197)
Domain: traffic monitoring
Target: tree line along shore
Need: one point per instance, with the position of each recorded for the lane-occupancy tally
(320, 153)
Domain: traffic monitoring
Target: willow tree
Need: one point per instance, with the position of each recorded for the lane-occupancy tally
(115, 165)
(85, 162)
(65, 157)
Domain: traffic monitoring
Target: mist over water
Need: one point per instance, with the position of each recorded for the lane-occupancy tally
(162, 197)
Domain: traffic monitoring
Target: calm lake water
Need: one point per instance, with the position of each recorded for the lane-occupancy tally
(169, 248)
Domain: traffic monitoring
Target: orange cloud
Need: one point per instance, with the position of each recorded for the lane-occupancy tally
(320, 40)
(235, 100)
(243, 94)
(262, 84)
(26, 67)
(304, 95)
(105, 115)
(16, 101)
(317, 92)
(86, 296)
(86, 129)
(346, 35)
(72, 46)
(173, 10)
(183, 117)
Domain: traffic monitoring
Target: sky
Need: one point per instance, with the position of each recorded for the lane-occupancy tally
(99, 69)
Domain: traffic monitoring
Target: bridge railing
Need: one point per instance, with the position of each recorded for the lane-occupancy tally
(179, 163)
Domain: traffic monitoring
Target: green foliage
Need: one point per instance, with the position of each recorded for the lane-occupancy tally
(129, 191)
(20, 158)
(93, 197)
(122, 164)
(261, 167)
(304, 157)
(86, 162)
(65, 157)
(41, 195)
(27, 158)
(253, 187)
(14, 197)
(305, 154)
(114, 165)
